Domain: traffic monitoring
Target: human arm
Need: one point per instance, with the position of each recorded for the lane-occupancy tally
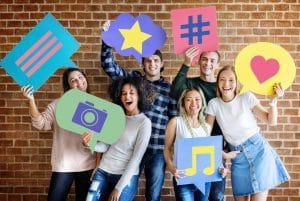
(180, 82)
(27, 92)
(210, 119)
(139, 147)
(44, 120)
(270, 115)
(168, 149)
(108, 63)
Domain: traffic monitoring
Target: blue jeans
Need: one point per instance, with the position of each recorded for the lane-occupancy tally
(61, 183)
(217, 190)
(190, 192)
(103, 184)
(154, 170)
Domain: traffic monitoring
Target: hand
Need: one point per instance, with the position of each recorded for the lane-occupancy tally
(27, 92)
(114, 195)
(86, 138)
(178, 174)
(105, 26)
(230, 155)
(223, 171)
(279, 91)
(190, 55)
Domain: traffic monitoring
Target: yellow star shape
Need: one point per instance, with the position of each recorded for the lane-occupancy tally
(134, 37)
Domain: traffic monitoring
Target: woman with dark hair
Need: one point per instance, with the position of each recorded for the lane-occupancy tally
(116, 178)
(70, 159)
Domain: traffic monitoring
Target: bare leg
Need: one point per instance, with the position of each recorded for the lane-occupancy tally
(262, 196)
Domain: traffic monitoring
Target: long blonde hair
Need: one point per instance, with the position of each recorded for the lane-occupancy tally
(182, 111)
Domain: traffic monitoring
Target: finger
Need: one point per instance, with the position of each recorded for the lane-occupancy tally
(27, 88)
(194, 50)
(30, 90)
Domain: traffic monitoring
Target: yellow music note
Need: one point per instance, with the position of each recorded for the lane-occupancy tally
(202, 150)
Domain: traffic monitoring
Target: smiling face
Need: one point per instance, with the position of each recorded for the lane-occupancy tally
(208, 62)
(152, 67)
(192, 103)
(227, 85)
(77, 80)
(129, 99)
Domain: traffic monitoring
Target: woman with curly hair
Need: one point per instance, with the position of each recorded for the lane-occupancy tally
(116, 178)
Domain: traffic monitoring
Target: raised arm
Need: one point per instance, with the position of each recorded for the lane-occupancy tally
(270, 115)
(180, 82)
(108, 63)
(27, 92)
(41, 121)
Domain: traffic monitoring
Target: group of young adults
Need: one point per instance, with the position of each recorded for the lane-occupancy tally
(207, 105)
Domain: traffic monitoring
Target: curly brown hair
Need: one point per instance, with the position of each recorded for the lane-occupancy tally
(146, 91)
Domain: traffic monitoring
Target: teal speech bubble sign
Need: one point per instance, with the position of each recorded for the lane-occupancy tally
(79, 112)
(40, 53)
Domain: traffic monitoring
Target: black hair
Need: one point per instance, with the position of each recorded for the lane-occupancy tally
(65, 79)
(159, 54)
(146, 92)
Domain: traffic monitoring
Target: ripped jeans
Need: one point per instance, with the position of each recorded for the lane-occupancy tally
(103, 184)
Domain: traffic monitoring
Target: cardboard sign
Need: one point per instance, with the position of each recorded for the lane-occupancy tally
(139, 36)
(201, 159)
(40, 53)
(260, 65)
(79, 112)
(195, 27)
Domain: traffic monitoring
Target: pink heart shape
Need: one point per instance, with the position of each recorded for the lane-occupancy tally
(264, 69)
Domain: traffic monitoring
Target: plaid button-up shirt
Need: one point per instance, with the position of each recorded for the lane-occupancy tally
(163, 108)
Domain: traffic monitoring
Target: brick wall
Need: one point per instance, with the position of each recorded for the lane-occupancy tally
(25, 152)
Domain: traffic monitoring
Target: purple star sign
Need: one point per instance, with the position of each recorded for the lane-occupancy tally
(139, 36)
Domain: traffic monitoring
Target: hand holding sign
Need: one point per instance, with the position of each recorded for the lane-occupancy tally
(46, 48)
(201, 158)
(78, 112)
(260, 65)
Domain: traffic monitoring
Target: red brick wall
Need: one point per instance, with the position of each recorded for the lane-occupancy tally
(25, 152)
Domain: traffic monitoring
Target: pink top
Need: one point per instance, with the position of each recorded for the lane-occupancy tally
(68, 152)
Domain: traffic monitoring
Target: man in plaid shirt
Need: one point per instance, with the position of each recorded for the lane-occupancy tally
(163, 108)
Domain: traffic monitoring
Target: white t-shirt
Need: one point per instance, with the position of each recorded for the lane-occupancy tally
(235, 118)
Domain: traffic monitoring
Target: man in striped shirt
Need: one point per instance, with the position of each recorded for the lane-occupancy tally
(163, 108)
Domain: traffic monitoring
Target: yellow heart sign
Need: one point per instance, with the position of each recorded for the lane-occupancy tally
(260, 65)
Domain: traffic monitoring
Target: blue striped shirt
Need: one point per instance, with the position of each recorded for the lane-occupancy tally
(163, 108)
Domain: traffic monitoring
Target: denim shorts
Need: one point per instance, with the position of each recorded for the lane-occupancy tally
(257, 168)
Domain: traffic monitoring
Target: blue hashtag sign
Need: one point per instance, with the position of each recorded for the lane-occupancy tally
(191, 33)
